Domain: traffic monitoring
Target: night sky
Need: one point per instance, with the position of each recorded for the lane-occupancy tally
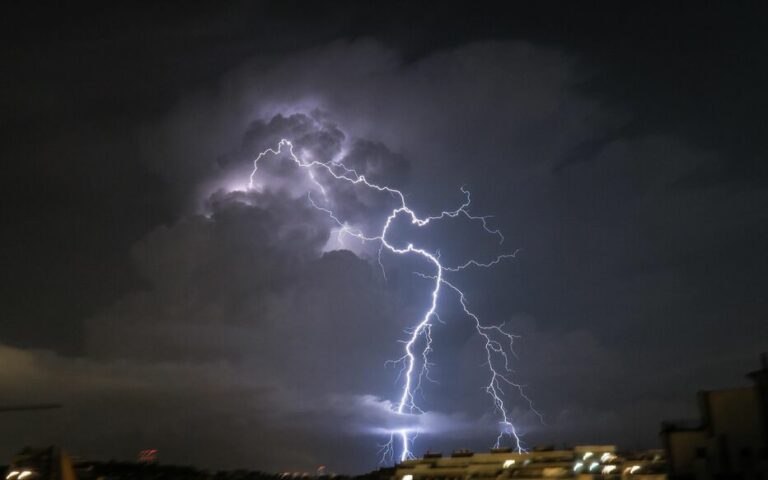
(620, 147)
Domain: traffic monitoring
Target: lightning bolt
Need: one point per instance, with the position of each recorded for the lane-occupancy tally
(414, 362)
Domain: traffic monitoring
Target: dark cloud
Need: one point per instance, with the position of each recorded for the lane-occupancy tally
(241, 331)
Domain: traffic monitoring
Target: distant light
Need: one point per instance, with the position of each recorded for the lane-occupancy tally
(408, 477)
(508, 463)
(634, 468)
(606, 457)
(12, 474)
(593, 466)
(24, 474)
(578, 466)
(608, 469)
(587, 455)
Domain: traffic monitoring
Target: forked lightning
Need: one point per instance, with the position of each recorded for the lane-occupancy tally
(415, 361)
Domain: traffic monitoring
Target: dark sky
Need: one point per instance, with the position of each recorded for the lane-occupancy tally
(620, 146)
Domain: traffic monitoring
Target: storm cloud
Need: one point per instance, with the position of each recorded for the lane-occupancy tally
(251, 336)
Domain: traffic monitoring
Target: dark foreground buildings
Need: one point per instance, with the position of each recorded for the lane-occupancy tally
(585, 462)
(730, 440)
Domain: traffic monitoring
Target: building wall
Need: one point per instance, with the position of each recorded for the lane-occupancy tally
(550, 464)
(683, 448)
(735, 428)
(732, 439)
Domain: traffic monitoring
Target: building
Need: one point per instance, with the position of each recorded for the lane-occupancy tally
(49, 463)
(729, 440)
(582, 462)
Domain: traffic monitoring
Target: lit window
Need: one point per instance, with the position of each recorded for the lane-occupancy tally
(607, 457)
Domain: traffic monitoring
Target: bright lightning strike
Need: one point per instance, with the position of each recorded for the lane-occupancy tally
(414, 361)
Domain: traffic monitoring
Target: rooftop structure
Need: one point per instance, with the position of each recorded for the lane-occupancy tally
(730, 439)
(582, 462)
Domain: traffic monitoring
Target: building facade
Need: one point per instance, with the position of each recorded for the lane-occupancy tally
(583, 462)
(729, 440)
